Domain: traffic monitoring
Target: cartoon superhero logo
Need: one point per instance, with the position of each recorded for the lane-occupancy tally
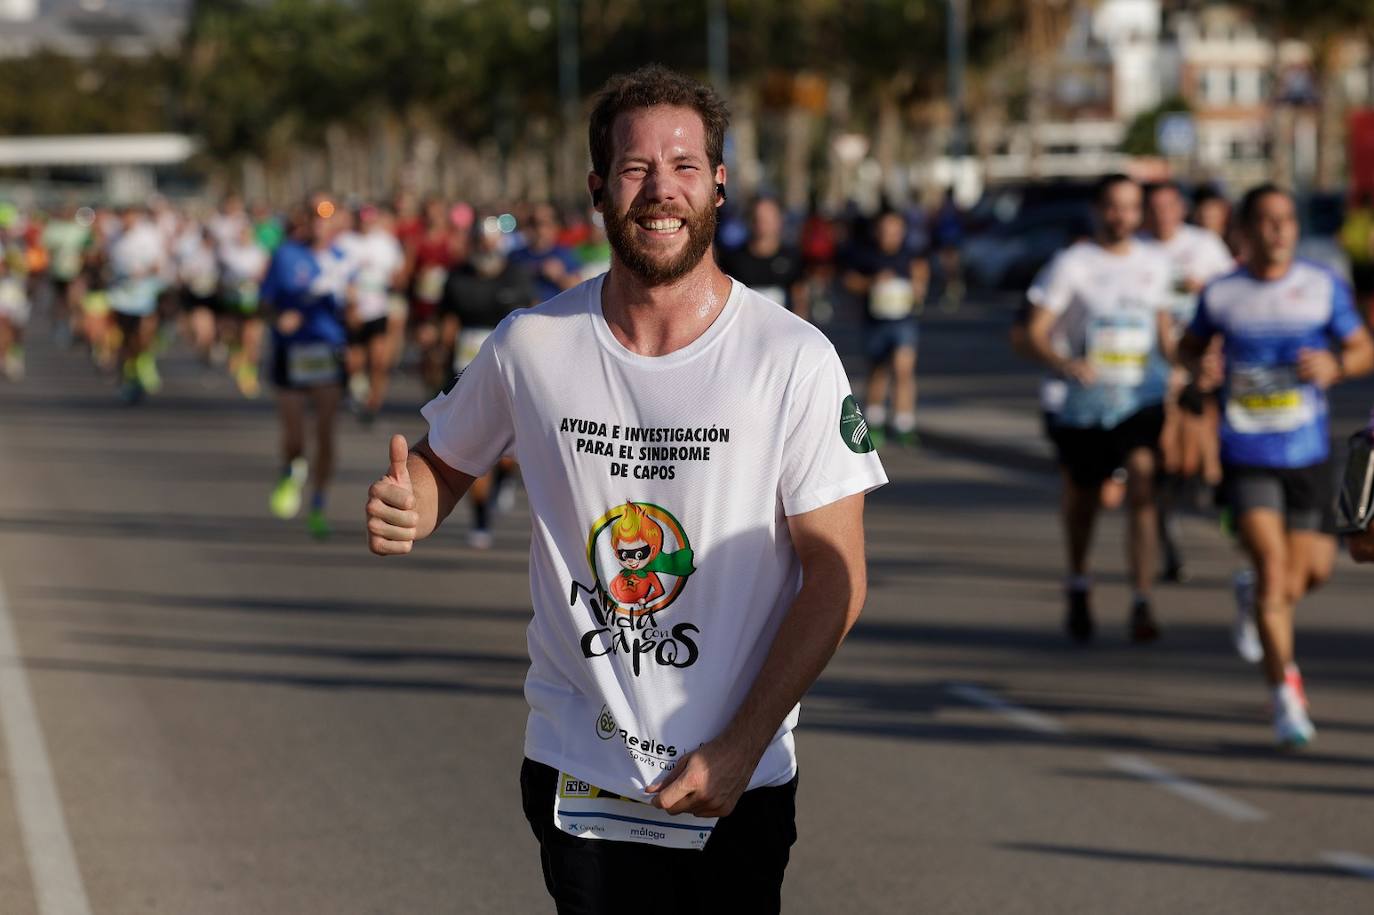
(641, 560)
(640, 557)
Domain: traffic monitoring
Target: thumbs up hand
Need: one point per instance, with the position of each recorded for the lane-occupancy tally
(391, 516)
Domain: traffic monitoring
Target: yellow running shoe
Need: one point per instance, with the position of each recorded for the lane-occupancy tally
(285, 501)
(247, 379)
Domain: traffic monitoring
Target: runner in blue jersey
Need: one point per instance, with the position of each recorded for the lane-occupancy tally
(1289, 331)
(303, 295)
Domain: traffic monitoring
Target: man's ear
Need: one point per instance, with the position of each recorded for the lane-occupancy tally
(720, 184)
(597, 188)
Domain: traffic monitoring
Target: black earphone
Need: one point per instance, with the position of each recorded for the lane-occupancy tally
(720, 192)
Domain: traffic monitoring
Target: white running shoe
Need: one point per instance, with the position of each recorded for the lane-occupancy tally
(1244, 632)
(479, 539)
(1292, 727)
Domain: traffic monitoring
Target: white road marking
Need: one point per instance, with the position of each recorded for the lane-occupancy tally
(1213, 800)
(1031, 721)
(1356, 864)
(52, 860)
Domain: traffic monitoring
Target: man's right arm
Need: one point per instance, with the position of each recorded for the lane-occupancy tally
(414, 497)
(438, 487)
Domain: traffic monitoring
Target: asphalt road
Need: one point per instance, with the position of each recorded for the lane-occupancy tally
(211, 713)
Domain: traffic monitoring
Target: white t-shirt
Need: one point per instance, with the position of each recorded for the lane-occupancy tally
(139, 251)
(1106, 308)
(244, 262)
(374, 257)
(1198, 255)
(689, 463)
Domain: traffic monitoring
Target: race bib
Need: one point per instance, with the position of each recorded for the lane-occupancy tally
(1119, 350)
(588, 812)
(246, 296)
(311, 364)
(1267, 399)
(469, 342)
(773, 293)
(430, 284)
(892, 299)
(14, 302)
(202, 284)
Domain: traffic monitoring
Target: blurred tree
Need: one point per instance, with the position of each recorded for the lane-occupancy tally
(1140, 138)
(47, 93)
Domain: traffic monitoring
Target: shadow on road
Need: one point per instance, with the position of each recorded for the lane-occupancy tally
(1141, 857)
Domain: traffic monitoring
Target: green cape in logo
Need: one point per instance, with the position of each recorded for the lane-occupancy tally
(854, 428)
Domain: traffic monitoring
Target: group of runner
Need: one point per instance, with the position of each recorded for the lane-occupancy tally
(1174, 359)
(322, 301)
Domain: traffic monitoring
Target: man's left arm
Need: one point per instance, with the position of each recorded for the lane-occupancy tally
(830, 544)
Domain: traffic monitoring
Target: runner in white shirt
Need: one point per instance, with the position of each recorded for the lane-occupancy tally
(137, 263)
(695, 465)
(243, 264)
(1189, 444)
(14, 310)
(376, 262)
(197, 273)
(1100, 320)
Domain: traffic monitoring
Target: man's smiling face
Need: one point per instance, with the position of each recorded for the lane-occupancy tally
(660, 198)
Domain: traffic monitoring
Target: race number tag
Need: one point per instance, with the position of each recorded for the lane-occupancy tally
(773, 294)
(1267, 399)
(586, 811)
(14, 301)
(469, 343)
(1119, 350)
(310, 364)
(246, 296)
(892, 299)
(430, 284)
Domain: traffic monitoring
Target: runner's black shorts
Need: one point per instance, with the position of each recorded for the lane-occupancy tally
(281, 373)
(740, 870)
(1092, 454)
(190, 301)
(1304, 496)
(365, 331)
(128, 325)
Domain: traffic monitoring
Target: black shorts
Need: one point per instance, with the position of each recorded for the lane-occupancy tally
(1304, 496)
(128, 325)
(364, 332)
(191, 302)
(333, 372)
(1362, 278)
(740, 870)
(1092, 454)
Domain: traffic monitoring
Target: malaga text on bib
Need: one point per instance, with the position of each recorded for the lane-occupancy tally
(1119, 349)
(586, 811)
(1267, 399)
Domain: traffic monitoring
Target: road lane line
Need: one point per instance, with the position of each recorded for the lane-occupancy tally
(1213, 800)
(1359, 865)
(52, 860)
(1031, 721)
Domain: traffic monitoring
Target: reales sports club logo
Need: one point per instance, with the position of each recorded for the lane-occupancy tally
(641, 561)
(854, 428)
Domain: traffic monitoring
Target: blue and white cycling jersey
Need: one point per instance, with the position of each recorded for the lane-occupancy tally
(1270, 417)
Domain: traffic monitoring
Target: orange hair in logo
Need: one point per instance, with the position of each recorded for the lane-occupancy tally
(633, 524)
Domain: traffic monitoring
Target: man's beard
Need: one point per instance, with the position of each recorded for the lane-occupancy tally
(700, 226)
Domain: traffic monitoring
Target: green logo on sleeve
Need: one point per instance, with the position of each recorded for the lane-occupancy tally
(854, 428)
